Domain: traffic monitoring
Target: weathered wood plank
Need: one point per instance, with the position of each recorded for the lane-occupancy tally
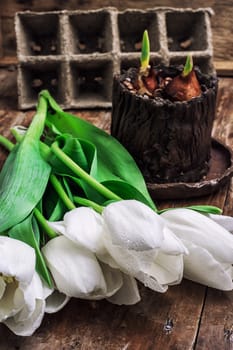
(8, 89)
(217, 317)
(84, 325)
(8, 60)
(1, 48)
(224, 68)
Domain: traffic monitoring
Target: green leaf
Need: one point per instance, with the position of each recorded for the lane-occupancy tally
(210, 209)
(145, 53)
(188, 66)
(73, 148)
(124, 190)
(24, 175)
(52, 206)
(113, 160)
(28, 232)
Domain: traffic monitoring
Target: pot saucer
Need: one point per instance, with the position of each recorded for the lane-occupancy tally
(220, 171)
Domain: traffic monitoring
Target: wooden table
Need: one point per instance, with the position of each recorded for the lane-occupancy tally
(198, 314)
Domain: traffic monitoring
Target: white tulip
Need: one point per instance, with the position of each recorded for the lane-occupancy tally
(29, 318)
(77, 272)
(128, 237)
(83, 226)
(140, 245)
(210, 247)
(22, 301)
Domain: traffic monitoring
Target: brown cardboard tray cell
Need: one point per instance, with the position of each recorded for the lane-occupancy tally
(75, 54)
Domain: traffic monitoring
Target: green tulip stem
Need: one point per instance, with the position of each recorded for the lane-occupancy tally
(82, 173)
(60, 191)
(88, 203)
(6, 143)
(44, 224)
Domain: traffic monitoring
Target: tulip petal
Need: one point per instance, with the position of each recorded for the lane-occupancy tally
(113, 279)
(150, 281)
(168, 269)
(20, 265)
(47, 291)
(130, 261)
(165, 270)
(75, 270)
(28, 326)
(57, 226)
(197, 228)
(83, 226)
(201, 267)
(55, 302)
(223, 220)
(138, 265)
(31, 292)
(133, 225)
(12, 300)
(172, 244)
(106, 258)
(128, 294)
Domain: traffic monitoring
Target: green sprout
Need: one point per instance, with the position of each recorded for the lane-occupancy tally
(145, 54)
(188, 66)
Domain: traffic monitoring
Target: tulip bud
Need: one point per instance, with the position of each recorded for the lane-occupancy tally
(210, 247)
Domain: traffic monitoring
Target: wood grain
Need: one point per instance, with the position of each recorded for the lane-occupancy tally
(103, 326)
(224, 68)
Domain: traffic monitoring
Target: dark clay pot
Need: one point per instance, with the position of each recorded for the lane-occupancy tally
(170, 141)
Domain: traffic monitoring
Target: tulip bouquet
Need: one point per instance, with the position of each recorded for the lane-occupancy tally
(76, 220)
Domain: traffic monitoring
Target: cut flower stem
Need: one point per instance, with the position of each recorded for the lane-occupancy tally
(60, 191)
(6, 143)
(82, 173)
(88, 203)
(44, 224)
